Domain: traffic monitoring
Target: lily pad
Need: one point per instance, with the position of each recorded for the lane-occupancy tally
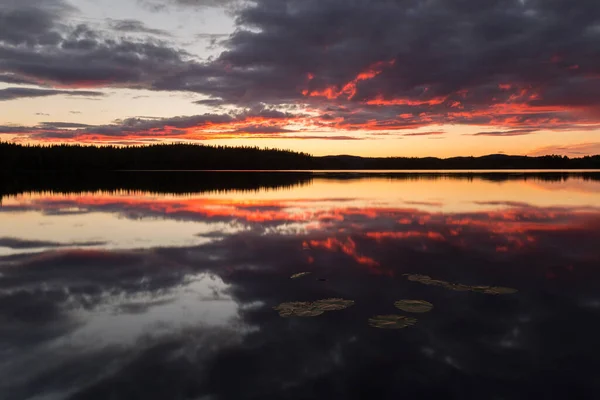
(333, 304)
(303, 313)
(459, 287)
(414, 306)
(499, 290)
(299, 275)
(296, 309)
(311, 309)
(391, 321)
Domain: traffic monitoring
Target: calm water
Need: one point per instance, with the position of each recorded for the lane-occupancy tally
(162, 286)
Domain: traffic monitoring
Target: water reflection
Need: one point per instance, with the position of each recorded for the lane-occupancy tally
(131, 295)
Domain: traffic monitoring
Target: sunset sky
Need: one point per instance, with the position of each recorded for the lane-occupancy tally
(363, 77)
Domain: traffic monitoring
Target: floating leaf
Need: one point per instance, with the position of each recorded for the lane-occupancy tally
(299, 275)
(459, 287)
(499, 290)
(391, 321)
(312, 309)
(333, 304)
(297, 309)
(414, 306)
(304, 313)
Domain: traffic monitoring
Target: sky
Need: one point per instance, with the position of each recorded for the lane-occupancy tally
(363, 77)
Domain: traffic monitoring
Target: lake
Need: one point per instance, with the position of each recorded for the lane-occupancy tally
(173, 285)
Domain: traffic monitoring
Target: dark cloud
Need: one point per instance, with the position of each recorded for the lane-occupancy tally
(504, 63)
(38, 45)
(14, 93)
(20, 244)
(14, 79)
(134, 26)
(425, 133)
(9, 129)
(210, 102)
(362, 65)
(60, 125)
(51, 134)
(76, 63)
(31, 22)
(257, 120)
(513, 132)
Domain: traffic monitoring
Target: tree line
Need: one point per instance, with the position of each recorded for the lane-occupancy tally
(17, 157)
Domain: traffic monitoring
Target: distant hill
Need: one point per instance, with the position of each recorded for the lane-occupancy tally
(15, 157)
(494, 161)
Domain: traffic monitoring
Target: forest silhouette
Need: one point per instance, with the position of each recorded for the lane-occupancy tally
(17, 157)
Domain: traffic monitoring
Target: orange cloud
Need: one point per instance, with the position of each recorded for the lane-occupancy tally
(357, 232)
(349, 89)
(380, 101)
(380, 236)
(346, 246)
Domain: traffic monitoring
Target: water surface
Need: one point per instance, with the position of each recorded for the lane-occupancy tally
(162, 286)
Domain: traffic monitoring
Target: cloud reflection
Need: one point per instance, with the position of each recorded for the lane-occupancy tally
(189, 320)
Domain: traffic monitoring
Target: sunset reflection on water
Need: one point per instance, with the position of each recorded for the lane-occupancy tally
(116, 286)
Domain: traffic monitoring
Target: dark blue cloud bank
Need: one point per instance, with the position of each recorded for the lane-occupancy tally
(518, 65)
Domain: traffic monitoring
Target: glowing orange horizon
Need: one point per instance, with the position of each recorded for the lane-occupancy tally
(516, 110)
